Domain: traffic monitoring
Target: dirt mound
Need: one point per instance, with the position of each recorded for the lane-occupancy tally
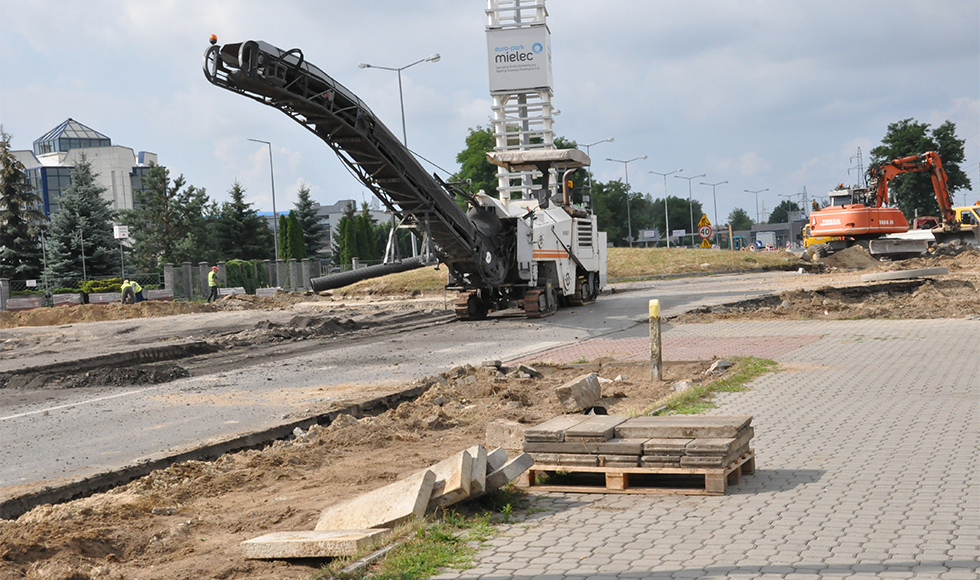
(855, 257)
(907, 299)
(960, 258)
(101, 312)
(188, 520)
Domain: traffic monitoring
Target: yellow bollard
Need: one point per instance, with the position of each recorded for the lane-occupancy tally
(656, 355)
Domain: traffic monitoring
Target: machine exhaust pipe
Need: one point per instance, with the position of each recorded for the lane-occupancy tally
(347, 278)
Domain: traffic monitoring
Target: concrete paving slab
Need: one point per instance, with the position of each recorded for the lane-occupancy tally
(453, 476)
(382, 508)
(509, 471)
(688, 426)
(553, 430)
(595, 428)
(478, 473)
(311, 544)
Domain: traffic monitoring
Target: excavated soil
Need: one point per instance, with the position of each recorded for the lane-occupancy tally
(103, 312)
(187, 521)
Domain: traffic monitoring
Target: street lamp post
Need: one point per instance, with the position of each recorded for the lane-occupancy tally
(275, 217)
(756, 201)
(666, 210)
(690, 201)
(629, 221)
(714, 201)
(589, 153)
(401, 98)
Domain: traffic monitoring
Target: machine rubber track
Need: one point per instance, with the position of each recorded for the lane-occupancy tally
(468, 307)
(533, 307)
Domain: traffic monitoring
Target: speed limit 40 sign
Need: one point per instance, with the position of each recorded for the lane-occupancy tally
(704, 227)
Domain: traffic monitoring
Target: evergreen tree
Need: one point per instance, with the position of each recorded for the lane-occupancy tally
(780, 213)
(82, 227)
(313, 230)
(20, 219)
(242, 233)
(285, 248)
(297, 245)
(170, 223)
(366, 248)
(913, 192)
(345, 240)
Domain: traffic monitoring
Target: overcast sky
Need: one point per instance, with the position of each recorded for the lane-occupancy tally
(764, 94)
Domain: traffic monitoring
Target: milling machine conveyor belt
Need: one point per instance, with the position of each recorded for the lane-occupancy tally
(282, 79)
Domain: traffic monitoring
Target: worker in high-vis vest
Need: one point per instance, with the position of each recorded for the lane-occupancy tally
(213, 283)
(137, 291)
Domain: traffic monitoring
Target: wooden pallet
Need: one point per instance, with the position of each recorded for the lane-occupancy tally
(653, 480)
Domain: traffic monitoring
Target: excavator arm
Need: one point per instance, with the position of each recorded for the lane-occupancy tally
(880, 174)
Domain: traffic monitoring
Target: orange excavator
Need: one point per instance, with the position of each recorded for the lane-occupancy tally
(855, 217)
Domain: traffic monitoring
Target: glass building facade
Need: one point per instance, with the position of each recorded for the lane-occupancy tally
(117, 169)
(70, 135)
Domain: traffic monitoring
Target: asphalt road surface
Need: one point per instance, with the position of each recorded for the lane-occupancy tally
(50, 436)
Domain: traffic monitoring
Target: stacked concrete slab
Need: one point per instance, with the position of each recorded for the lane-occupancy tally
(351, 525)
(610, 441)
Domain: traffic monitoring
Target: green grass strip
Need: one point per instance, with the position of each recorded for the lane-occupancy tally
(697, 398)
(446, 539)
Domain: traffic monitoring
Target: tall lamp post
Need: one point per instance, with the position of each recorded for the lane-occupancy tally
(714, 201)
(629, 221)
(756, 201)
(666, 210)
(690, 201)
(401, 98)
(589, 153)
(275, 217)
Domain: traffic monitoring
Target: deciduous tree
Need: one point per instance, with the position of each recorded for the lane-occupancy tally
(780, 213)
(913, 192)
(739, 219)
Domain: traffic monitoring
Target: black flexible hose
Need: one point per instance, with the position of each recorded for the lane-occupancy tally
(347, 278)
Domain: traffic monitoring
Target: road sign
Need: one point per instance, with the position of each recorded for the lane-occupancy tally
(704, 228)
(705, 243)
(120, 232)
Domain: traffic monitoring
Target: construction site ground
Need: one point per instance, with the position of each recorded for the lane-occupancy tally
(187, 521)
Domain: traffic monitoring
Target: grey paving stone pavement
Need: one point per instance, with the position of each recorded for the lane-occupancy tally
(868, 444)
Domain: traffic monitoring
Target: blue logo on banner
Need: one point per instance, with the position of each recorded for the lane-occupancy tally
(536, 47)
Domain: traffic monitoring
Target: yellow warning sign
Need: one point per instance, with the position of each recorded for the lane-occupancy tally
(705, 243)
(704, 221)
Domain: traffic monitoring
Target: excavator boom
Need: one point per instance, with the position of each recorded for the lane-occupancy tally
(882, 173)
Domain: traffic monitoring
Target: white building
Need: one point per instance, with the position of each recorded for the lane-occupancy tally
(118, 169)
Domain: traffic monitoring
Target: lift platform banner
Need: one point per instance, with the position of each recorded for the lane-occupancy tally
(519, 59)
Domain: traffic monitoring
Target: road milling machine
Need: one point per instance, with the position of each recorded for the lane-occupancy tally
(535, 253)
(862, 216)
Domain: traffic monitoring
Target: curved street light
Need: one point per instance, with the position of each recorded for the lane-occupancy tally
(401, 98)
(629, 221)
(666, 210)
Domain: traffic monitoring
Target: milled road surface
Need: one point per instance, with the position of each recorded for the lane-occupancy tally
(50, 436)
